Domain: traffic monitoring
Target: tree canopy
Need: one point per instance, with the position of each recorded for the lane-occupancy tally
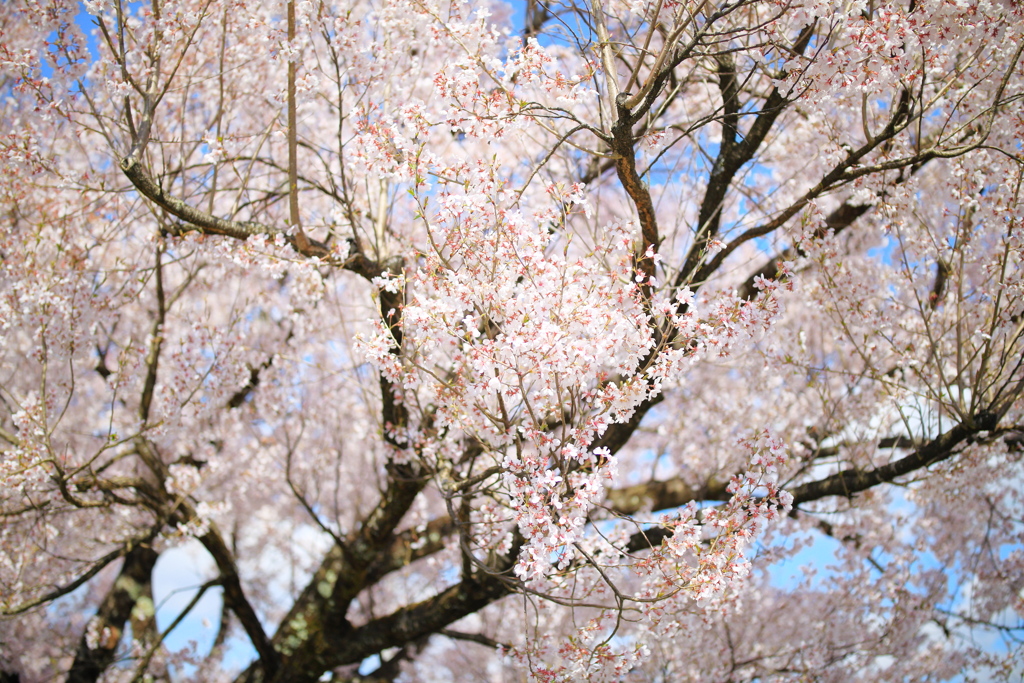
(546, 341)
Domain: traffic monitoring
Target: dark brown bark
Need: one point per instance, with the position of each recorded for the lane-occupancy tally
(129, 593)
(625, 165)
(853, 481)
(734, 152)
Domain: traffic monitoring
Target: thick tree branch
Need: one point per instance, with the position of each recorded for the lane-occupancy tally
(410, 545)
(662, 495)
(234, 596)
(129, 593)
(241, 230)
(308, 634)
(207, 223)
(852, 481)
(732, 155)
(419, 620)
(211, 224)
(625, 166)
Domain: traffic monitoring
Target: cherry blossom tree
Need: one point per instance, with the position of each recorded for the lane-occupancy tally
(482, 342)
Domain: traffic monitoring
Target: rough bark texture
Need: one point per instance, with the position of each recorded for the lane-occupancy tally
(129, 595)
